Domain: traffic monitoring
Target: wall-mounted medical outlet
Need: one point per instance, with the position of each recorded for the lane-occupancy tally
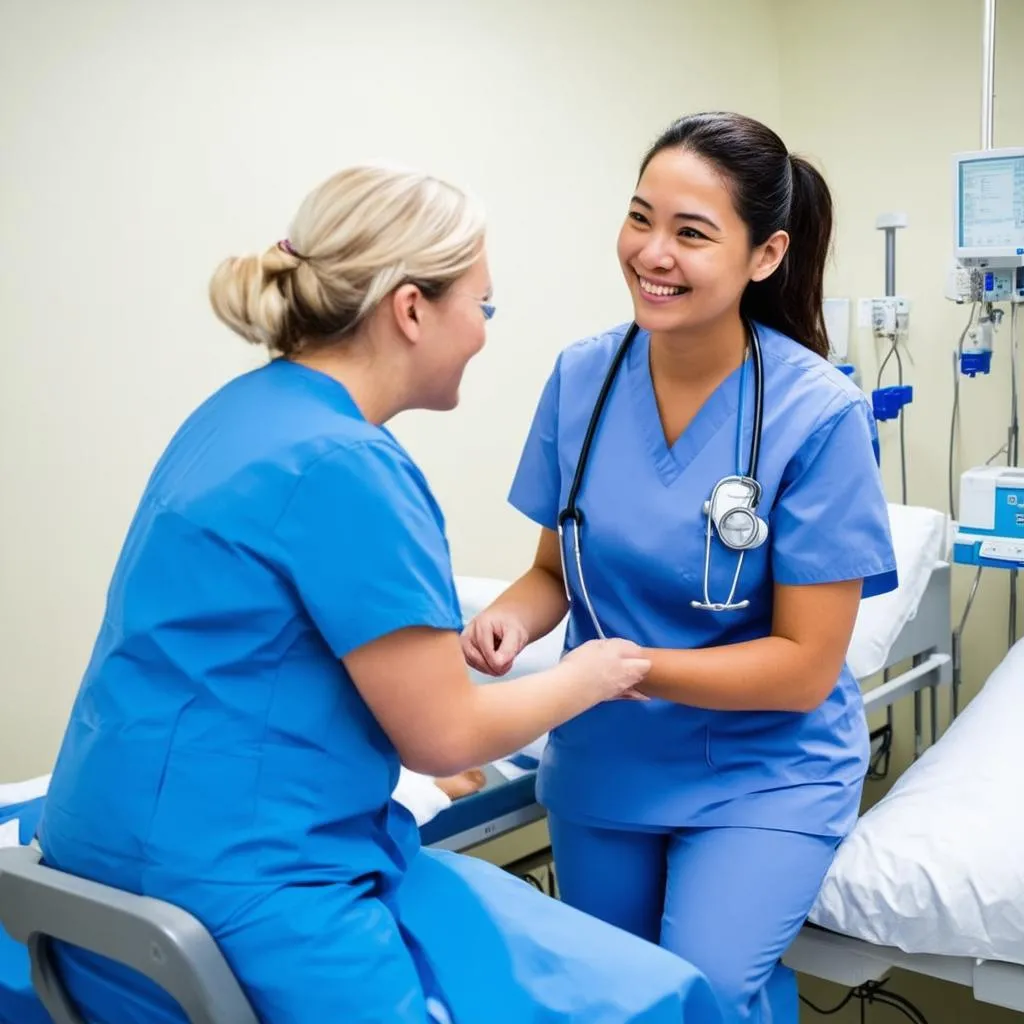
(881, 314)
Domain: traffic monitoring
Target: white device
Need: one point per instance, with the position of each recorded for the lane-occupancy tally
(988, 210)
(990, 529)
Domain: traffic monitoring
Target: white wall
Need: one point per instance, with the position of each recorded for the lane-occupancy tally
(145, 141)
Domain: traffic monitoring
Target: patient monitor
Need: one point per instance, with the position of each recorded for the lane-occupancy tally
(988, 225)
(988, 244)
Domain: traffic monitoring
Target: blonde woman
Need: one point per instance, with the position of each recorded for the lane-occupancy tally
(282, 631)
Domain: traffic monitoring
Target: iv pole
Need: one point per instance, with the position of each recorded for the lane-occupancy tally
(988, 71)
(988, 88)
(988, 52)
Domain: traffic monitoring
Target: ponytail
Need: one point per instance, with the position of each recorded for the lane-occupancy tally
(792, 299)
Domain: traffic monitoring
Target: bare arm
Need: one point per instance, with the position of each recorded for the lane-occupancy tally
(416, 684)
(794, 669)
(538, 598)
(529, 609)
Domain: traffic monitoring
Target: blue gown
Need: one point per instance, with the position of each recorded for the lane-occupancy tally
(646, 783)
(219, 756)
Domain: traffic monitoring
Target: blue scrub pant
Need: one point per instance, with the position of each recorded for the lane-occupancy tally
(728, 900)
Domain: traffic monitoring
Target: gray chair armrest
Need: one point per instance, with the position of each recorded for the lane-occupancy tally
(160, 941)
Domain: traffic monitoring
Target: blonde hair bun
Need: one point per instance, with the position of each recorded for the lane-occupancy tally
(356, 238)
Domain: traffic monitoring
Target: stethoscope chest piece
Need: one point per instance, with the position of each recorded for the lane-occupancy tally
(731, 510)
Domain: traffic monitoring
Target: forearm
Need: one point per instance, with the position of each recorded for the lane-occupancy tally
(767, 674)
(537, 599)
(505, 716)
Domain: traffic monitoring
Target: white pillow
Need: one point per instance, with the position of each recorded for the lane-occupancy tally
(920, 538)
(936, 866)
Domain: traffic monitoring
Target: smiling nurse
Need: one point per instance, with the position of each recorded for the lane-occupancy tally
(713, 481)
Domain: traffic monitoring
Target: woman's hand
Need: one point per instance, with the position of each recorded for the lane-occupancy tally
(607, 669)
(492, 640)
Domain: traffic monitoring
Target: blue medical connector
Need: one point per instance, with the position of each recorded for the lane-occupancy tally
(886, 403)
(972, 363)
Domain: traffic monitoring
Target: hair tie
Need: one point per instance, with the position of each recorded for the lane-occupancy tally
(285, 246)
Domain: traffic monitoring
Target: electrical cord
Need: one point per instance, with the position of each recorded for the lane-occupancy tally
(878, 764)
(901, 1003)
(868, 993)
(1012, 438)
(895, 351)
(848, 998)
(1012, 459)
(957, 352)
(995, 455)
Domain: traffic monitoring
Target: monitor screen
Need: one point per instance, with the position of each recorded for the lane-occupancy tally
(991, 202)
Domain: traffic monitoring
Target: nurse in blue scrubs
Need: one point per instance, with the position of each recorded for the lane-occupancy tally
(706, 817)
(282, 630)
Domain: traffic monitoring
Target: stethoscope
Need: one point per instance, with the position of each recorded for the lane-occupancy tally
(730, 512)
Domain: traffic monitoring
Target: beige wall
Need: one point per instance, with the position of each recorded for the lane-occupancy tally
(881, 93)
(150, 140)
(144, 141)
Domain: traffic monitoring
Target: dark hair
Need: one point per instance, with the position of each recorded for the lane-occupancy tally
(772, 190)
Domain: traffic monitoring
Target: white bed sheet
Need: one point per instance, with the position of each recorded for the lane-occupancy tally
(921, 537)
(12, 793)
(938, 865)
(19, 792)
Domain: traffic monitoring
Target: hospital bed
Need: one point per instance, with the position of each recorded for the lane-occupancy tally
(904, 637)
(931, 880)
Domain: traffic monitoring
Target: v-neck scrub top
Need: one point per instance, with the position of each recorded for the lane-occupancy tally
(658, 763)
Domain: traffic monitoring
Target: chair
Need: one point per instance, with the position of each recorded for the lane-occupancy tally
(164, 943)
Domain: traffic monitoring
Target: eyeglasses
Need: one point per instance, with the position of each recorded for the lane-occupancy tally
(487, 308)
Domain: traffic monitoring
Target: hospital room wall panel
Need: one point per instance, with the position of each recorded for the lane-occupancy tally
(145, 142)
(882, 94)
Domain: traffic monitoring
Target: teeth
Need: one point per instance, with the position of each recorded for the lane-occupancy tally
(658, 289)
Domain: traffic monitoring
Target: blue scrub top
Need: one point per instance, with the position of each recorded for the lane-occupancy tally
(279, 531)
(660, 764)
(218, 754)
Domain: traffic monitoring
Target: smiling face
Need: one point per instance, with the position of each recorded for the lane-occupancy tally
(684, 249)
